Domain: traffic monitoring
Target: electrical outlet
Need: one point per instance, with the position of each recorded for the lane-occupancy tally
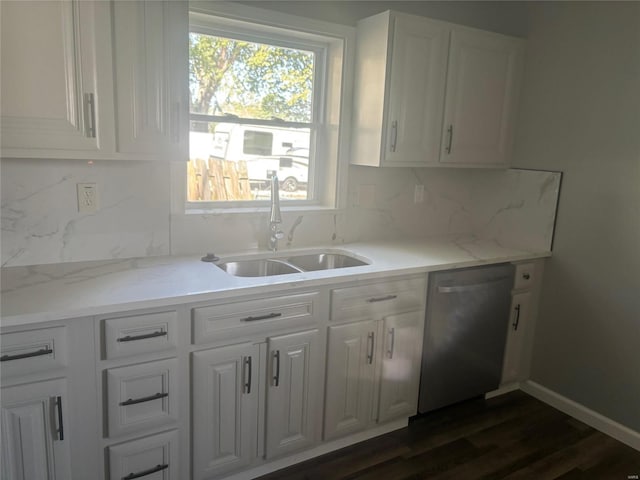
(418, 194)
(87, 197)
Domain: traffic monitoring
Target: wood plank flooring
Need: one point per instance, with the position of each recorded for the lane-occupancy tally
(513, 436)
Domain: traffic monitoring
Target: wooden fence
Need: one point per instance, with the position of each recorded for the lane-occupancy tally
(217, 179)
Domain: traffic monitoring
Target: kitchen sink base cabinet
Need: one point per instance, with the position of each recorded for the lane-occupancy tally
(225, 389)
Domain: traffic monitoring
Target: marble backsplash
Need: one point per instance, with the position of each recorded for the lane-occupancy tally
(41, 224)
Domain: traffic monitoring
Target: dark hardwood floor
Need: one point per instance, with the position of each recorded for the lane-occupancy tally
(513, 436)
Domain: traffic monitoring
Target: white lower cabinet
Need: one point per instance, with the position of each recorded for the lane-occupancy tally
(225, 408)
(292, 395)
(400, 365)
(350, 374)
(516, 336)
(373, 371)
(35, 445)
(153, 457)
(232, 384)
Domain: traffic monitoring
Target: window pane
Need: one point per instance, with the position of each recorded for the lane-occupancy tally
(235, 162)
(249, 80)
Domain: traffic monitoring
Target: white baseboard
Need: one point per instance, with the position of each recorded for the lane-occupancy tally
(510, 387)
(593, 419)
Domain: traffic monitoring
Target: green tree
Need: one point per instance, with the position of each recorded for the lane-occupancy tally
(249, 79)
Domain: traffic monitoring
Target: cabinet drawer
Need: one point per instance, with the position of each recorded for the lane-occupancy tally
(136, 334)
(525, 276)
(220, 322)
(142, 396)
(31, 351)
(353, 303)
(154, 457)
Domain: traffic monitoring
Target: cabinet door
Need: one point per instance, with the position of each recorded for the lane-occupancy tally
(292, 394)
(416, 92)
(350, 373)
(225, 404)
(34, 443)
(57, 98)
(400, 366)
(518, 324)
(482, 88)
(151, 64)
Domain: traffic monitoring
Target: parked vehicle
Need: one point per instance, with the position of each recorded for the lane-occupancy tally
(292, 170)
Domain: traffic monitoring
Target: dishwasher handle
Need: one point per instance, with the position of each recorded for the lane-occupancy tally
(470, 287)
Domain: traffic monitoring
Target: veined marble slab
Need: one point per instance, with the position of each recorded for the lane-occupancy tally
(60, 291)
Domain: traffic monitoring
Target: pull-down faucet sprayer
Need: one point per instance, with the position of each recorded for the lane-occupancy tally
(275, 217)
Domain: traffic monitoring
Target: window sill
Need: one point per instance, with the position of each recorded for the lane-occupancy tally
(298, 209)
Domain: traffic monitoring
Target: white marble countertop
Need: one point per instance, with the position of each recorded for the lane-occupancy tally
(69, 290)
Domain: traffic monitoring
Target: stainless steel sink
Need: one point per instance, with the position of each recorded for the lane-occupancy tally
(308, 262)
(324, 261)
(258, 268)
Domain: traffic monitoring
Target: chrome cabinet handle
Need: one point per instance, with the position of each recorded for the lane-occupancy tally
(247, 377)
(526, 276)
(134, 401)
(276, 359)
(261, 317)
(381, 299)
(60, 422)
(132, 338)
(394, 135)
(392, 332)
(18, 356)
(144, 473)
(450, 142)
(516, 322)
(90, 115)
(370, 343)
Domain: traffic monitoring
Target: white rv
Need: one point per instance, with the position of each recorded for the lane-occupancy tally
(233, 141)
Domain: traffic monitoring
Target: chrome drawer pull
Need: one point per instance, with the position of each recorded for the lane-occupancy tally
(517, 320)
(371, 345)
(261, 317)
(144, 473)
(276, 376)
(135, 401)
(392, 332)
(247, 367)
(132, 338)
(37, 353)
(60, 422)
(382, 299)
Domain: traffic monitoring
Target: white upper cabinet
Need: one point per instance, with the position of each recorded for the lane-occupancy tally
(151, 68)
(94, 80)
(430, 93)
(57, 92)
(400, 80)
(482, 90)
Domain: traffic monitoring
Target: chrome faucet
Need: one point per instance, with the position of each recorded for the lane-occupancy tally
(275, 218)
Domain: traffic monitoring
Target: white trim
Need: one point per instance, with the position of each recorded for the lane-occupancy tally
(593, 419)
(510, 387)
(319, 450)
(328, 181)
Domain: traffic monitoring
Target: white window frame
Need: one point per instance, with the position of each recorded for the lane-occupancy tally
(333, 44)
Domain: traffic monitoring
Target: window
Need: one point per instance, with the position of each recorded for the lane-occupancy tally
(265, 100)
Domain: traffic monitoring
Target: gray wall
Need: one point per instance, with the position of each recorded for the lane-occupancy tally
(509, 18)
(580, 113)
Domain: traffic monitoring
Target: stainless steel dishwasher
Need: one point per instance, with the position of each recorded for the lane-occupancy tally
(465, 334)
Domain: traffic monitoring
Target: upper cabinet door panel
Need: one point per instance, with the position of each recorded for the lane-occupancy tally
(482, 89)
(416, 95)
(53, 96)
(150, 63)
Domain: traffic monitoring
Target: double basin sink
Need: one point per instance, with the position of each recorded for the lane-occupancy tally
(295, 263)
